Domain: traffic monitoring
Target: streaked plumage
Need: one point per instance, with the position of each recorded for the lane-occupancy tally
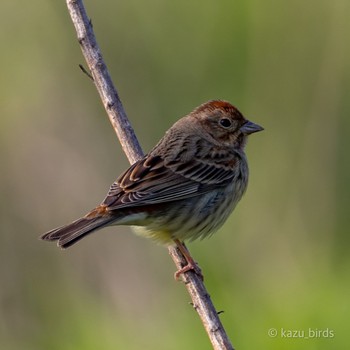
(184, 188)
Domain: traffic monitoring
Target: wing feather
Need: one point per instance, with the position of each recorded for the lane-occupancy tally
(152, 180)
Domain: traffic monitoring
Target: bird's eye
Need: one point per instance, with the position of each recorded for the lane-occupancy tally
(225, 122)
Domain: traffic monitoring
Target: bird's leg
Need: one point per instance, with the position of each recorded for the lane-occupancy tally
(191, 264)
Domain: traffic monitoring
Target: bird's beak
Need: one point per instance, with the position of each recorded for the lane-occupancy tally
(250, 127)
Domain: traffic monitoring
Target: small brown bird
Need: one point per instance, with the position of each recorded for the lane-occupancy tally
(184, 188)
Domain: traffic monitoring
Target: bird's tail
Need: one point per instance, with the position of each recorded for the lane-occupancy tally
(69, 234)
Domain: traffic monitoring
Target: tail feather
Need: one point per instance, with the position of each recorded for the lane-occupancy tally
(69, 234)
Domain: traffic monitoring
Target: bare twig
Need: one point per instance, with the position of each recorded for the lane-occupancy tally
(85, 72)
(110, 99)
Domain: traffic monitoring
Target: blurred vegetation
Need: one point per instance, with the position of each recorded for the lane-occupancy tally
(282, 260)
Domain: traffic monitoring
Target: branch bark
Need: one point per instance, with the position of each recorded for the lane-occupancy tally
(200, 297)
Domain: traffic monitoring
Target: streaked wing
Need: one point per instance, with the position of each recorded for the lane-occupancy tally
(153, 181)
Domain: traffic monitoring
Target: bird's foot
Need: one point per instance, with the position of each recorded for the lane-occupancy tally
(191, 264)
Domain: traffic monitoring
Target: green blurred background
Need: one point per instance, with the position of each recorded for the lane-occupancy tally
(281, 261)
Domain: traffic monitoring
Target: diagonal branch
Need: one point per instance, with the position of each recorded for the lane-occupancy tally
(200, 298)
